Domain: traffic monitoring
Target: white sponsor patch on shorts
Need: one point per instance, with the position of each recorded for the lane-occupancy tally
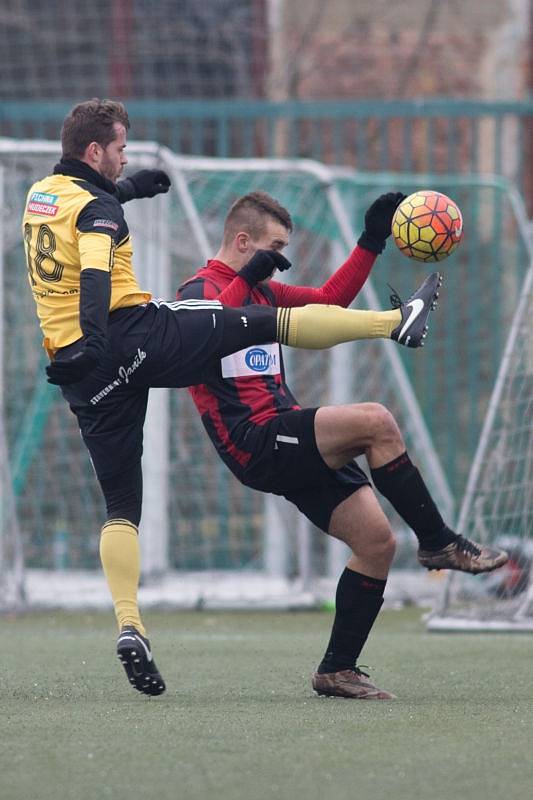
(287, 439)
(263, 359)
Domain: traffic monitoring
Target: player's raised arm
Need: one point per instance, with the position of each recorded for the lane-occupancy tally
(256, 231)
(145, 183)
(347, 281)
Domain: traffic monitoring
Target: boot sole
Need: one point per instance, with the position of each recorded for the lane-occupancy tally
(466, 571)
(150, 683)
(353, 696)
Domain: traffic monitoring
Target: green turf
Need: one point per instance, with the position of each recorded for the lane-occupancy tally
(239, 720)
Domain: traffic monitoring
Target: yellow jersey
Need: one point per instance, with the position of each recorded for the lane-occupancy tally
(70, 224)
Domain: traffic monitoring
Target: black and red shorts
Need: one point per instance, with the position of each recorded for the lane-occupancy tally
(286, 461)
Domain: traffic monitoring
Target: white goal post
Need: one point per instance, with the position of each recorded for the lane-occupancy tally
(206, 540)
(11, 555)
(12, 594)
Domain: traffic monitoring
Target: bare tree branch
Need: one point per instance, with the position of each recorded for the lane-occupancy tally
(419, 48)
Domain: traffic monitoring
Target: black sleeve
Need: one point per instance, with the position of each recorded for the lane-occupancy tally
(192, 290)
(95, 296)
(125, 191)
(102, 215)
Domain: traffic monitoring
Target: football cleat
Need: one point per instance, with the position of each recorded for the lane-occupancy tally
(349, 683)
(465, 556)
(135, 655)
(413, 328)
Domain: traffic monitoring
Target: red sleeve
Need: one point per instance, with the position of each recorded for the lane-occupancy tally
(235, 293)
(343, 286)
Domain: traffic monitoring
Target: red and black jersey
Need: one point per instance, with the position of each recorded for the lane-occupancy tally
(248, 388)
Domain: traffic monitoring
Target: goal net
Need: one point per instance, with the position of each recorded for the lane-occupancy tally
(498, 502)
(205, 539)
(197, 518)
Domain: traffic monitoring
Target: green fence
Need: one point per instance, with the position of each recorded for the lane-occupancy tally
(214, 522)
(430, 135)
(452, 379)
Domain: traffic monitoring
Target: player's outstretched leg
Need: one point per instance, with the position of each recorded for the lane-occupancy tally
(439, 547)
(134, 653)
(317, 327)
(320, 326)
(415, 312)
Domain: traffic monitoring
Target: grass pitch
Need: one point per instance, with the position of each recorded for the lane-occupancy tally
(239, 720)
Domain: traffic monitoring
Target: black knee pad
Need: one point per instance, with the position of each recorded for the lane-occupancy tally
(123, 495)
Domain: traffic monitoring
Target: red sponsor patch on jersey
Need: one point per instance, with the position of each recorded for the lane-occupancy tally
(42, 208)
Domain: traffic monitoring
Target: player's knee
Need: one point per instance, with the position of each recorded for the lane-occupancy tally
(383, 423)
(381, 546)
(378, 543)
(386, 544)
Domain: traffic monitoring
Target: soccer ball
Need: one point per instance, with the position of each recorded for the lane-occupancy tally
(427, 226)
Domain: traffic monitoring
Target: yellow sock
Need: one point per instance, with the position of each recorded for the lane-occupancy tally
(316, 327)
(119, 553)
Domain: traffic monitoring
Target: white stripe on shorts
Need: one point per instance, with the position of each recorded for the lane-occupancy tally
(188, 305)
(287, 439)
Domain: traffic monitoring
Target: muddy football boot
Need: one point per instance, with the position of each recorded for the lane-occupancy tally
(465, 556)
(350, 683)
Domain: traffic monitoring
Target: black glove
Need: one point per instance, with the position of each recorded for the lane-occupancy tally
(78, 366)
(378, 221)
(261, 266)
(145, 183)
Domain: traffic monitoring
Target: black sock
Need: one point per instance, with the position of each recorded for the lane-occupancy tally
(357, 604)
(401, 483)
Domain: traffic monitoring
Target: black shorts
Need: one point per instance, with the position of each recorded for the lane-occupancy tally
(160, 344)
(286, 461)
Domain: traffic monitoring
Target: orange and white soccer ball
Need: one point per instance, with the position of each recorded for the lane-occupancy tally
(427, 226)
